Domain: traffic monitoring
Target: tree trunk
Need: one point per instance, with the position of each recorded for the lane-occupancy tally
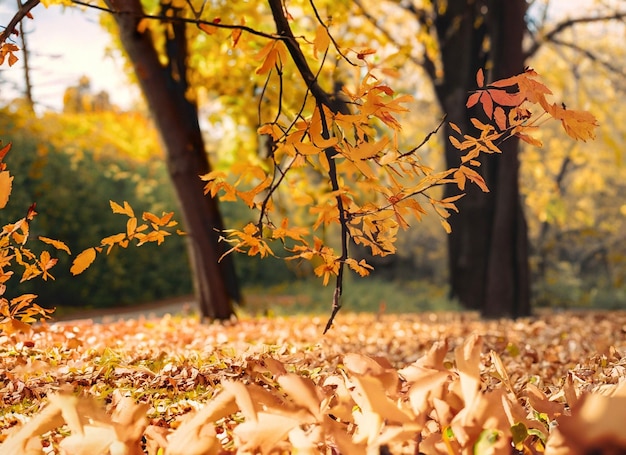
(508, 282)
(488, 246)
(164, 87)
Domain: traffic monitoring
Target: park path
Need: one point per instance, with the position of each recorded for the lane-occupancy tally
(174, 306)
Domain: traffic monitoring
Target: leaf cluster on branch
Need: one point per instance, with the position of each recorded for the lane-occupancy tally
(373, 188)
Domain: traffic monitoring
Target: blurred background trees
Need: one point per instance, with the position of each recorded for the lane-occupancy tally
(572, 194)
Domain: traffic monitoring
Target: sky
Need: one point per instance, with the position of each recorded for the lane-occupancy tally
(65, 44)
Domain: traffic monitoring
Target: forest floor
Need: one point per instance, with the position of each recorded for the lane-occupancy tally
(433, 383)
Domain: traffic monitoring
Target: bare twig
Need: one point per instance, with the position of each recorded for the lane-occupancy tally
(426, 139)
(332, 38)
(591, 56)
(568, 23)
(427, 64)
(168, 19)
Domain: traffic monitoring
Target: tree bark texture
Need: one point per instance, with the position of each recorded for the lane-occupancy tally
(164, 87)
(488, 246)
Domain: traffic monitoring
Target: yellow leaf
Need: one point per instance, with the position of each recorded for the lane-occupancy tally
(236, 34)
(361, 267)
(55, 243)
(142, 26)
(147, 216)
(269, 55)
(6, 182)
(578, 124)
(322, 40)
(126, 210)
(208, 29)
(307, 149)
(131, 226)
(83, 261)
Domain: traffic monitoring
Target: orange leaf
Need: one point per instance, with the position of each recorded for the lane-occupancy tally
(208, 29)
(55, 243)
(83, 261)
(322, 40)
(12, 59)
(500, 117)
(480, 77)
(6, 183)
(126, 210)
(131, 226)
(4, 150)
(487, 104)
(503, 98)
(365, 52)
(472, 100)
(236, 34)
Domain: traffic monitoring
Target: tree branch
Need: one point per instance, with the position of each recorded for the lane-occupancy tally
(21, 13)
(591, 56)
(427, 64)
(176, 19)
(426, 139)
(568, 23)
(284, 31)
(336, 105)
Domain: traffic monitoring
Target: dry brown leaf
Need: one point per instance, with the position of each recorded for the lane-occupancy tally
(467, 357)
(369, 395)
(303, 392)
(18, 441)
(569, 391)
(540, 402)
(435, 357)
(426, 401)
(244, 401)
(265, 434)
(487, 413)
(377, 367)
(596, 424)
(196, 435)
(306, 442)
(93, 440)
(156, 438)
(423, 389)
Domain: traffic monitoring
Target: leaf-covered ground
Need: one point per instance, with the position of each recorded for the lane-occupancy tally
(428, 383)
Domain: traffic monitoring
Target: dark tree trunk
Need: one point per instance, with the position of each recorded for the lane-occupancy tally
(508, 281)
(488, 246)
(164, 87)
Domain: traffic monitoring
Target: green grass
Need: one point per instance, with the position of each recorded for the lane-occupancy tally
(359, 295)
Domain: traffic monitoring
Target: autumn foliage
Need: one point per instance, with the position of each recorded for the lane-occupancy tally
(242, 393)
(373, 188)
(19, 311)
(394, 384)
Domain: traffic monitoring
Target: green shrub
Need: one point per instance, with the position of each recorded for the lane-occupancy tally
(72, 194)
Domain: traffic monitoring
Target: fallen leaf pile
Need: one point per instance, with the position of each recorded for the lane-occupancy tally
(392, 384)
